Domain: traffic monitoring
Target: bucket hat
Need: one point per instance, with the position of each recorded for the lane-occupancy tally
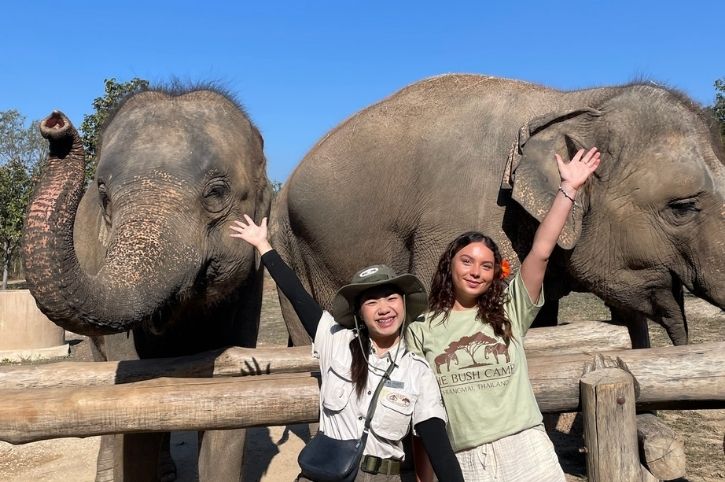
(343, 305)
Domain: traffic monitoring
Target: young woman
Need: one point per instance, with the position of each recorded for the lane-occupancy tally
(356, 345)
(473, 336)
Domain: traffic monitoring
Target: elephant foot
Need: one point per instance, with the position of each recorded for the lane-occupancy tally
(166, 469)
(105, 463)
(221, 455)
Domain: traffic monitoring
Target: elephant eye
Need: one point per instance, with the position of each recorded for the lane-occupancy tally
(683, 210)
(216, 195)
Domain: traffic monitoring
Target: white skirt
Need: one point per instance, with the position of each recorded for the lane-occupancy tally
(525, 456)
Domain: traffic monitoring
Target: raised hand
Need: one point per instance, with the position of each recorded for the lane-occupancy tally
(254, 234)
(575, 172)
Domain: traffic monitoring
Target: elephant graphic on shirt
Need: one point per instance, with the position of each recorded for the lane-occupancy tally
(496, 350)
(446, 357)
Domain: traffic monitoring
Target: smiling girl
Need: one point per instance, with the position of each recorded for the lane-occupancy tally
(473, 336)
(356, 345)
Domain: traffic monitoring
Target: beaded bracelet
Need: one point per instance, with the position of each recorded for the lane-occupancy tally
(566, 195)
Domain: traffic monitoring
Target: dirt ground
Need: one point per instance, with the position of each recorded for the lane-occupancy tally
(272, 452)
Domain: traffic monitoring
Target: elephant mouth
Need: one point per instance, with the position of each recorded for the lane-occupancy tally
(179, 306)
(162, 318)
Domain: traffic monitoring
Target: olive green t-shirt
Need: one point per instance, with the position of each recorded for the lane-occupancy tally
(485, 384)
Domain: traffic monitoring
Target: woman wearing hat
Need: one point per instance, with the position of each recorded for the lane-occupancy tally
(474, 317)
(356, 346)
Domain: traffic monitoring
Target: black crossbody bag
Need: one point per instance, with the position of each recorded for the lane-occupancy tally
(326, 459)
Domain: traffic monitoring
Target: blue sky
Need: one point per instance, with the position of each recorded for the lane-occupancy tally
(301, 67)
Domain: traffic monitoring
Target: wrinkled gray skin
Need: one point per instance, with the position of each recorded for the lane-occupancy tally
(396, 182)
(147, 249)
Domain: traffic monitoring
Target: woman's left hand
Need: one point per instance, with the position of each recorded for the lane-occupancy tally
(575, 172)
(256, 235)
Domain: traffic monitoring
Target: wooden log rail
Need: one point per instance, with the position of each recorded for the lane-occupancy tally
(668, 378)
(164, 404)
(232, 362)
(690, 376)
(580, 337)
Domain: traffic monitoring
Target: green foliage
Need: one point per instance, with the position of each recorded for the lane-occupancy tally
(719, 107)
(92, 124)
(21, 151)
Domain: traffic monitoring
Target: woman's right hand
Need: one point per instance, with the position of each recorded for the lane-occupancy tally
(252, 233)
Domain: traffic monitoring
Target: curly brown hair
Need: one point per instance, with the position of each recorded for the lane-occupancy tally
(490, 304)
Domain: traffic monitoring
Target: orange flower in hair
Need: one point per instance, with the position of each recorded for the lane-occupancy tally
(505, 268)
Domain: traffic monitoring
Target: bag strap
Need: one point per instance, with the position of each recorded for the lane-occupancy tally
(374, 400)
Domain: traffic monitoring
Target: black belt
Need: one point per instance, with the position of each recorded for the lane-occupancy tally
(375, 465)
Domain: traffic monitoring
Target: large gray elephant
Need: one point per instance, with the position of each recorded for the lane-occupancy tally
(145, 252)
(397, 181)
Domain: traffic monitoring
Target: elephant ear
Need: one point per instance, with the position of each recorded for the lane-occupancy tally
(265, 193)
(264, 203)
(262, 185)
(531, 169)
(90, 232)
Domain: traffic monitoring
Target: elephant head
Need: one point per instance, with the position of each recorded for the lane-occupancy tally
(149, 237)
(653, 216)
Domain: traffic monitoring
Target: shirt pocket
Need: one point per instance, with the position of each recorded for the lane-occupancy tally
(392, 417)
(338, 387)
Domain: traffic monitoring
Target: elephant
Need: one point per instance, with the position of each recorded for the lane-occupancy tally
(446, 358)
(496, 350)
(141, 260)
(395, 182)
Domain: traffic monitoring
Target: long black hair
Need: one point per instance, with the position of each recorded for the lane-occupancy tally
(490, 303)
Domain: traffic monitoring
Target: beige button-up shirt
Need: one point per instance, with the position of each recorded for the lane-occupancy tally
(411, 394)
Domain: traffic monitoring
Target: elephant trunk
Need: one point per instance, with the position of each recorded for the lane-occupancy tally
(119, 296)
(706, 278)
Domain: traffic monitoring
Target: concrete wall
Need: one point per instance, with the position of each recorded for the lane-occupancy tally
(23, 326)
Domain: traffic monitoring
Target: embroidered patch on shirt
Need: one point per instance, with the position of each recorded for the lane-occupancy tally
(398, 399)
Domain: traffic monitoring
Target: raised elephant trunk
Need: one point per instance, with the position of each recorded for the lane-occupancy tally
(113, 300)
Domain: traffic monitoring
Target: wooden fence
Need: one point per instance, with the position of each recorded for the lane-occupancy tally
(210, 391)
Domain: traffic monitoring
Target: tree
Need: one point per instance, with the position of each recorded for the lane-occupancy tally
(92, 124)
(719, 107)
(21, 152)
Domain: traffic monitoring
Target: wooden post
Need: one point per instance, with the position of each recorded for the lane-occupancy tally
(610, 427)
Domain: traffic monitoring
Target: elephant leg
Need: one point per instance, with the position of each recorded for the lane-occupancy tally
(548, 314)
(106, 462)
(221, 455)
(98, 348)
(636, 324)
(141, 453)
(166, 468)
(297, 334)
